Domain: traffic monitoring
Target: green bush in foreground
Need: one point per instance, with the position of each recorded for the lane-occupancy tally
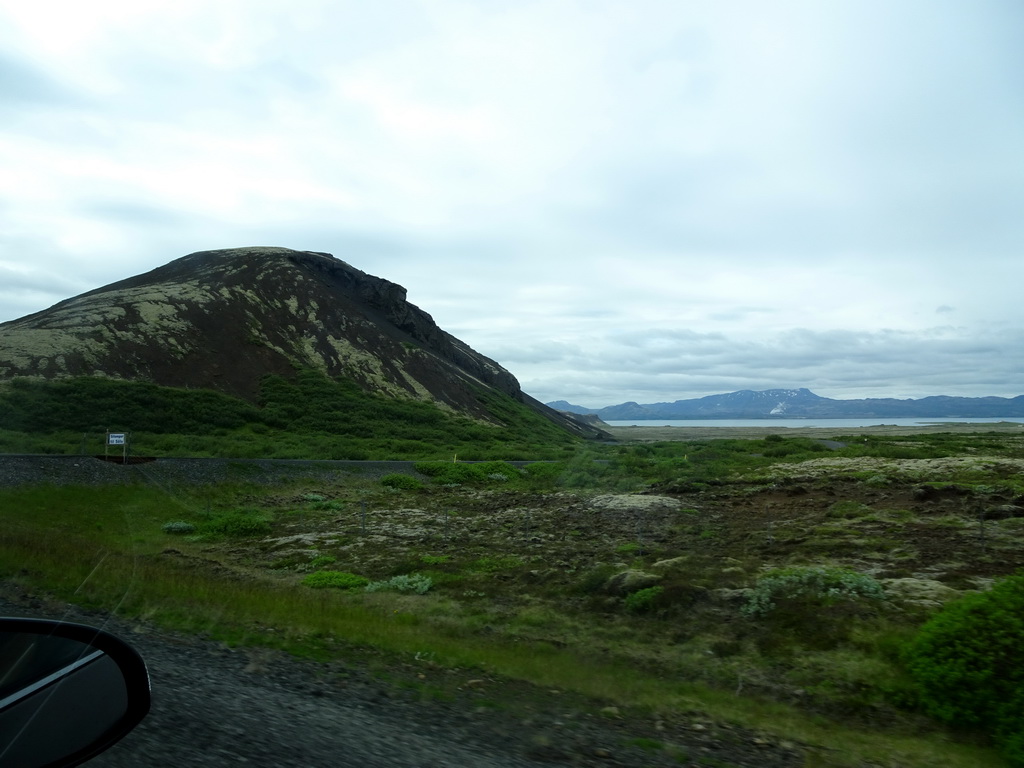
(179, 527)
(819, 584)
(642, 600)
(462, 473)
(237, 524)
(968, 661)
(402, 482)
(335, 579)
(415, 583)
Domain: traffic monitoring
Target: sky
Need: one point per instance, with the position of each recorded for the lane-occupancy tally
(617, 201)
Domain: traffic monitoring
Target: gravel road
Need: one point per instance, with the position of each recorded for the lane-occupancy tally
(215, 706)
(28, 469)
(218, 706)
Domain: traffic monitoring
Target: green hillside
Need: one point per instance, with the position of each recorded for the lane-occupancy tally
(308, 417)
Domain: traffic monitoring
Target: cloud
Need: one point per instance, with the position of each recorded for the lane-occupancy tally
(21, 82)
(636, 201)
(835, 363)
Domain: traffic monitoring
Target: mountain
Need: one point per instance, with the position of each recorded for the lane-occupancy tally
(802, 403)
(224, 319)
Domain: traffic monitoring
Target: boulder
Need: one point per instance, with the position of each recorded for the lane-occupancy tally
(926, 593)
(736, 596)
(630, 581)
(1004, 511)
(674, 562)
(633, 503)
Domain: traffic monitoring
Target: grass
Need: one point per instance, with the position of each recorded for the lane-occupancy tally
(173, 592)
(105, 547)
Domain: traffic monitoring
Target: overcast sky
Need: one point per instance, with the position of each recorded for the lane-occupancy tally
(629, 200)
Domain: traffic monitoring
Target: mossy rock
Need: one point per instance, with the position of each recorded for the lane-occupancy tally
(630, 581)
(926, 593)
(671, 563)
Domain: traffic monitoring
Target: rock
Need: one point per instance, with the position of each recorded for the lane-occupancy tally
(1004, 511)
(634, 503)
(926, 593)
(630, 581)
(675, 562)
(731, 595)
(981, 583)
(732, 576)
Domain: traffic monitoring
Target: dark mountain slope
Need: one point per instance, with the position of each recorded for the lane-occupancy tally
(224, 319)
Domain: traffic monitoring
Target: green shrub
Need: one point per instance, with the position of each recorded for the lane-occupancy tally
(237, 524)
(778, 447)
(330, 506)
(848, 509)
(449, 472)
(544, 473)
(968, 662)
(825, 585)
(335, 579)
(1010, 733)
(416, 583)
(178, 527)
(642, 600)
(402, 482)
(462, 473)
(322, 560)
(594, 580)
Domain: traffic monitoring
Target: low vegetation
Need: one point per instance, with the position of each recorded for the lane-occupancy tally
(968, 661)
(863, 598)
(806, 589)
(307, 417)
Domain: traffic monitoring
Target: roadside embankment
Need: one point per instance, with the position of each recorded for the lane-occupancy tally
(41, 469)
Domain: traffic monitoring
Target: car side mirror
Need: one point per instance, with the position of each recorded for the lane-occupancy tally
(67, 692)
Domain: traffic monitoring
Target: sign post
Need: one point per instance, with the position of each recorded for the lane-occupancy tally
(115, 439)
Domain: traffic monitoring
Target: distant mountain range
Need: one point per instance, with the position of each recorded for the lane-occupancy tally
(802, 403)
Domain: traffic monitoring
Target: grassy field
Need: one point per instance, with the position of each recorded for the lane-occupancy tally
(625, 574)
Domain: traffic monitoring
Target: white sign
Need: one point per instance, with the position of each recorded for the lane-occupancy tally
(116, 438)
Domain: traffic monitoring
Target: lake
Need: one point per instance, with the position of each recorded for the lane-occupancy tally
(917, 421)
